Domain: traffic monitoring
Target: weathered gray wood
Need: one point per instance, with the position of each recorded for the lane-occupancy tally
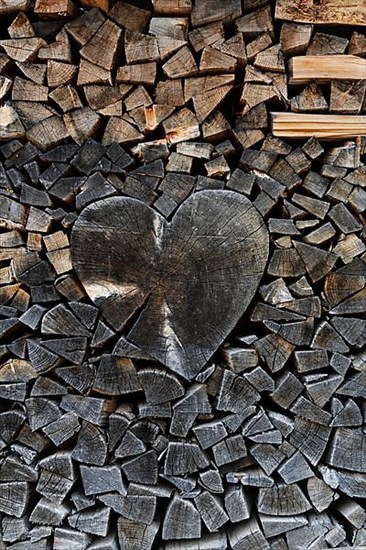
(182, 520)
(94, 521)
(102, 479)
(165, 242)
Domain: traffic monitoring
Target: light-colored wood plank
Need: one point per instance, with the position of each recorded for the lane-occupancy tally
(328, 12)
(326, 67)
(327, 127)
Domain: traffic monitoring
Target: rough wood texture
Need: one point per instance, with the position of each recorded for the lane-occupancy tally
(336, 127)
(328, 12)
(326, 67)
(139, 132)
(120, 293)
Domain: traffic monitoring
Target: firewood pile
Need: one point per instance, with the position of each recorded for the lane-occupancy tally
(182, 274)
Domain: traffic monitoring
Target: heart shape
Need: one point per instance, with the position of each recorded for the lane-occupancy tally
(178, 288)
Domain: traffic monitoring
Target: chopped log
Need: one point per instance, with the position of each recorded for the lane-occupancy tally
(247, 533)
(14, 498)
(102, 48)
(22, 49)
(140, 47)
(311, 99)
(326, 67)
(310, 439)
(101, 479)
(295, 38)
(347, 96)
(327, 44)
(208, 35)
(141, 73)
(212, 91)
(171, 7)
(11, 126)
(282, 500)
(336, 127)
(129, 16)
(181, 65)
(94, 521)
(21, 27)
(82, 124)
(255, 23)
(330, 12)
(10, 6)
(271, 59)
(92, 409)
(101, 4)
(357, 44)
(60, 74)
(234, 47)
(208, 12)
(49, 10)
(132, 533)
(214, 61)
(174, 527)
(57, 476)
(256, 46)
(211, 511)
(59, 50)
(48, 133)
(85, 26)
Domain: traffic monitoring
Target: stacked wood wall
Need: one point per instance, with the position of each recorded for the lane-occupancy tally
(101, 445)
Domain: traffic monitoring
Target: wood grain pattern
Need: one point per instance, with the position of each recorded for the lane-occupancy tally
(130, 259)
(329, 12)
(302, 125)
(324, 68)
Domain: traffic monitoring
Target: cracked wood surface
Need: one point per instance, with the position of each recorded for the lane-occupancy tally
(179, 287)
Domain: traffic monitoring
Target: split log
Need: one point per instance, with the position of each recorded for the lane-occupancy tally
(330, 12)
(323, 68)
(335, 127)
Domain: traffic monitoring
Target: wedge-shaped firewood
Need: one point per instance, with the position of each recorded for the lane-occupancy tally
(22, 49)
(326, 67)
(295, 38)
(11, 126)
(172, 7)
(328, 12)
(174, 525)
(21, 27)
(103, 46)
(337, 127)
(54, 10)
(130, 17)
(84, 27)
(208, 11)
(140, 47)
(10, 6)
(207, 93)
(60, 74)
(102, 4)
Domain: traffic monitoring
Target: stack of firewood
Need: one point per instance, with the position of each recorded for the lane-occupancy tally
(160, 75)
(101, 445)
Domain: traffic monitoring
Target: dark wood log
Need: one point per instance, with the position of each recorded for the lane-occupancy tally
(138, 298)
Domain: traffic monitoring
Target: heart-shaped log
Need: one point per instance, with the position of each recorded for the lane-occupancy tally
(177, 288)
